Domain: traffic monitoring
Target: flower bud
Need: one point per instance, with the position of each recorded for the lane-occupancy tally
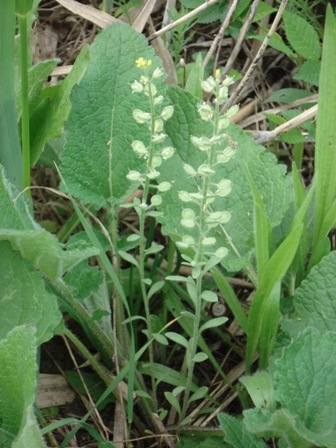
(223, 123)
(222, 158)
(158, 127)
(224, 188)
(153, 174)
(158, 72)
(156, 161)
(229, 151)
(232, 111)
(158, 100)
(221, 253)
(209, 241)
(157, 138)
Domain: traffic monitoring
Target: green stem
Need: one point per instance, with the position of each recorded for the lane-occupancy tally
(10, 149)
(25, 101)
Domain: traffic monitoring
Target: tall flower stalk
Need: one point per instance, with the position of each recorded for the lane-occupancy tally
(200, 222)
(153, 153)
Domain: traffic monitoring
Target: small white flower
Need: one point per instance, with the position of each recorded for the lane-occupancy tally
(167, 152)
(139, 148)
(188, 213)
(153, 174)
(167, 112)
(205, 170)
(157, 138)
(208, 241)
(137, 87)
(158, 72)
(223, 123)
(185, 196)
(223, 93)
(158, 100)
(156, 161)
(229, 151)
(134, 176)
(222, 158)
(141, 116)
(203, 143)
(224, 188)
(164, 186)
(205, 112)
(156, 200)
(189, 240)
(158, 127)
(189, 170)
(209, 84)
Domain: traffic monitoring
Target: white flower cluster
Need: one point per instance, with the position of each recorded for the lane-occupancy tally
(155, 122)
(208, 190)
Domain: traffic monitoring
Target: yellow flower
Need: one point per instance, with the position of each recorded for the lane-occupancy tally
(142, 63)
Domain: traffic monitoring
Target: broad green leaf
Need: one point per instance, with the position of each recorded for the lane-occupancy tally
(100, 129)
(236, 435)
(50, 115)
(305, 386)
(309, 72)
(24, 299)
(314, 300)
(302, 36)
(261, 390)
(18, 370)
(280, 424)
(33, 242)
(269, 179)
(325, 150)
(263, 10)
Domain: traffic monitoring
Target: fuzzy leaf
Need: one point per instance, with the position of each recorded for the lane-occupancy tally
(237, 435)
(18, 371)
(24, 299)
(200, 393)
(314, 300)
(304, 389)
(212, 323)
(178, 338)
(100, 129)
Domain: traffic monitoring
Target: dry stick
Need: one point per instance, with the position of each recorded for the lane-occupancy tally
(256, 60)
(221, 32)
(182, 19)
(268, 136)
(241, 38)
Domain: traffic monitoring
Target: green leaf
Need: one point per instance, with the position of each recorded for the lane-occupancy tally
(302, 36)
(195, 78)
(200, 357)
(18, 372)
(50, 115)
(173, 401)
(178, 338)
(167, 375)
(128, 257)
(24, 299)
(209, 296)
(155, 288)
(314, 300)
(304, 389)
(212, 323)
(199, 394)
(100, 129)
(160, 338)
(261, 390)
(288, 95)
(236, 435)
(274, 272)
(275, 42)
(309, 72)
(154, 249)
(325, 150)
(268, 177)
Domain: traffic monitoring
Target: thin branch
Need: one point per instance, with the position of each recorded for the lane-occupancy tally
(256, 60)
